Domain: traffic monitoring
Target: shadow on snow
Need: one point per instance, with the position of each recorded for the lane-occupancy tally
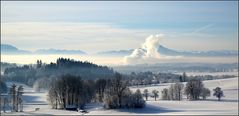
(148, 109)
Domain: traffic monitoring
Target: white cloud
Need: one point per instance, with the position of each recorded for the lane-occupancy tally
(148, 52)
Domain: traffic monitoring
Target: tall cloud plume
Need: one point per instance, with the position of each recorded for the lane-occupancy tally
(148, 52)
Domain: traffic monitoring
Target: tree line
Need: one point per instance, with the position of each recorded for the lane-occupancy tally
(194, 90)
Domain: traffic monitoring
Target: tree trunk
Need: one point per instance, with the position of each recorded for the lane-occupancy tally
(17, 103)
(64, 103)
(120, 102)
(179, 98)
(13, 103)
(56, 104)
(0, 102)
(4, 104)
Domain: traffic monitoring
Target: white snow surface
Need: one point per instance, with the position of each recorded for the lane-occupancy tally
(228, 105)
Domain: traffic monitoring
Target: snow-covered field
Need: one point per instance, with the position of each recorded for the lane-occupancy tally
(228, 105)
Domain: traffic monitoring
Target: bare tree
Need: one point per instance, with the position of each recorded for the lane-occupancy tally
(13, 95)
(155, 94)
(178, 87)
(172, 92)
(119, 87)
(165, 94)
(53, 96)
(19, 98)
(146, 94)
(3, 89)
(100, 86)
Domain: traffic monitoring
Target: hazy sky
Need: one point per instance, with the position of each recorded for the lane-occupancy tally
(100, 26)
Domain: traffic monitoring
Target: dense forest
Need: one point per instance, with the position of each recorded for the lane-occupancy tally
(5, 65)
(28, 74)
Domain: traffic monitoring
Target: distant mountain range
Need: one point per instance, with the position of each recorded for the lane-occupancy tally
(9, 49)
(170, 52)
(116, 53)
(56, 51)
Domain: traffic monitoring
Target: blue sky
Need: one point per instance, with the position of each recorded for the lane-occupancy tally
(115, 25)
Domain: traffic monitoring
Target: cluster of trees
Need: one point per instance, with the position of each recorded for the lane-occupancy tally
(195, 89)
(28, 74)
(118, 95)
(72, 91)
(174, 92)
(16, 98)
(13, 96)
(149, 78)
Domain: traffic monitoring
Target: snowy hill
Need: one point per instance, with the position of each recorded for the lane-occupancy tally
(228, 105)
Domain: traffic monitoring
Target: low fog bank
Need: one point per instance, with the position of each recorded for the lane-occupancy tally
(113, 60)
